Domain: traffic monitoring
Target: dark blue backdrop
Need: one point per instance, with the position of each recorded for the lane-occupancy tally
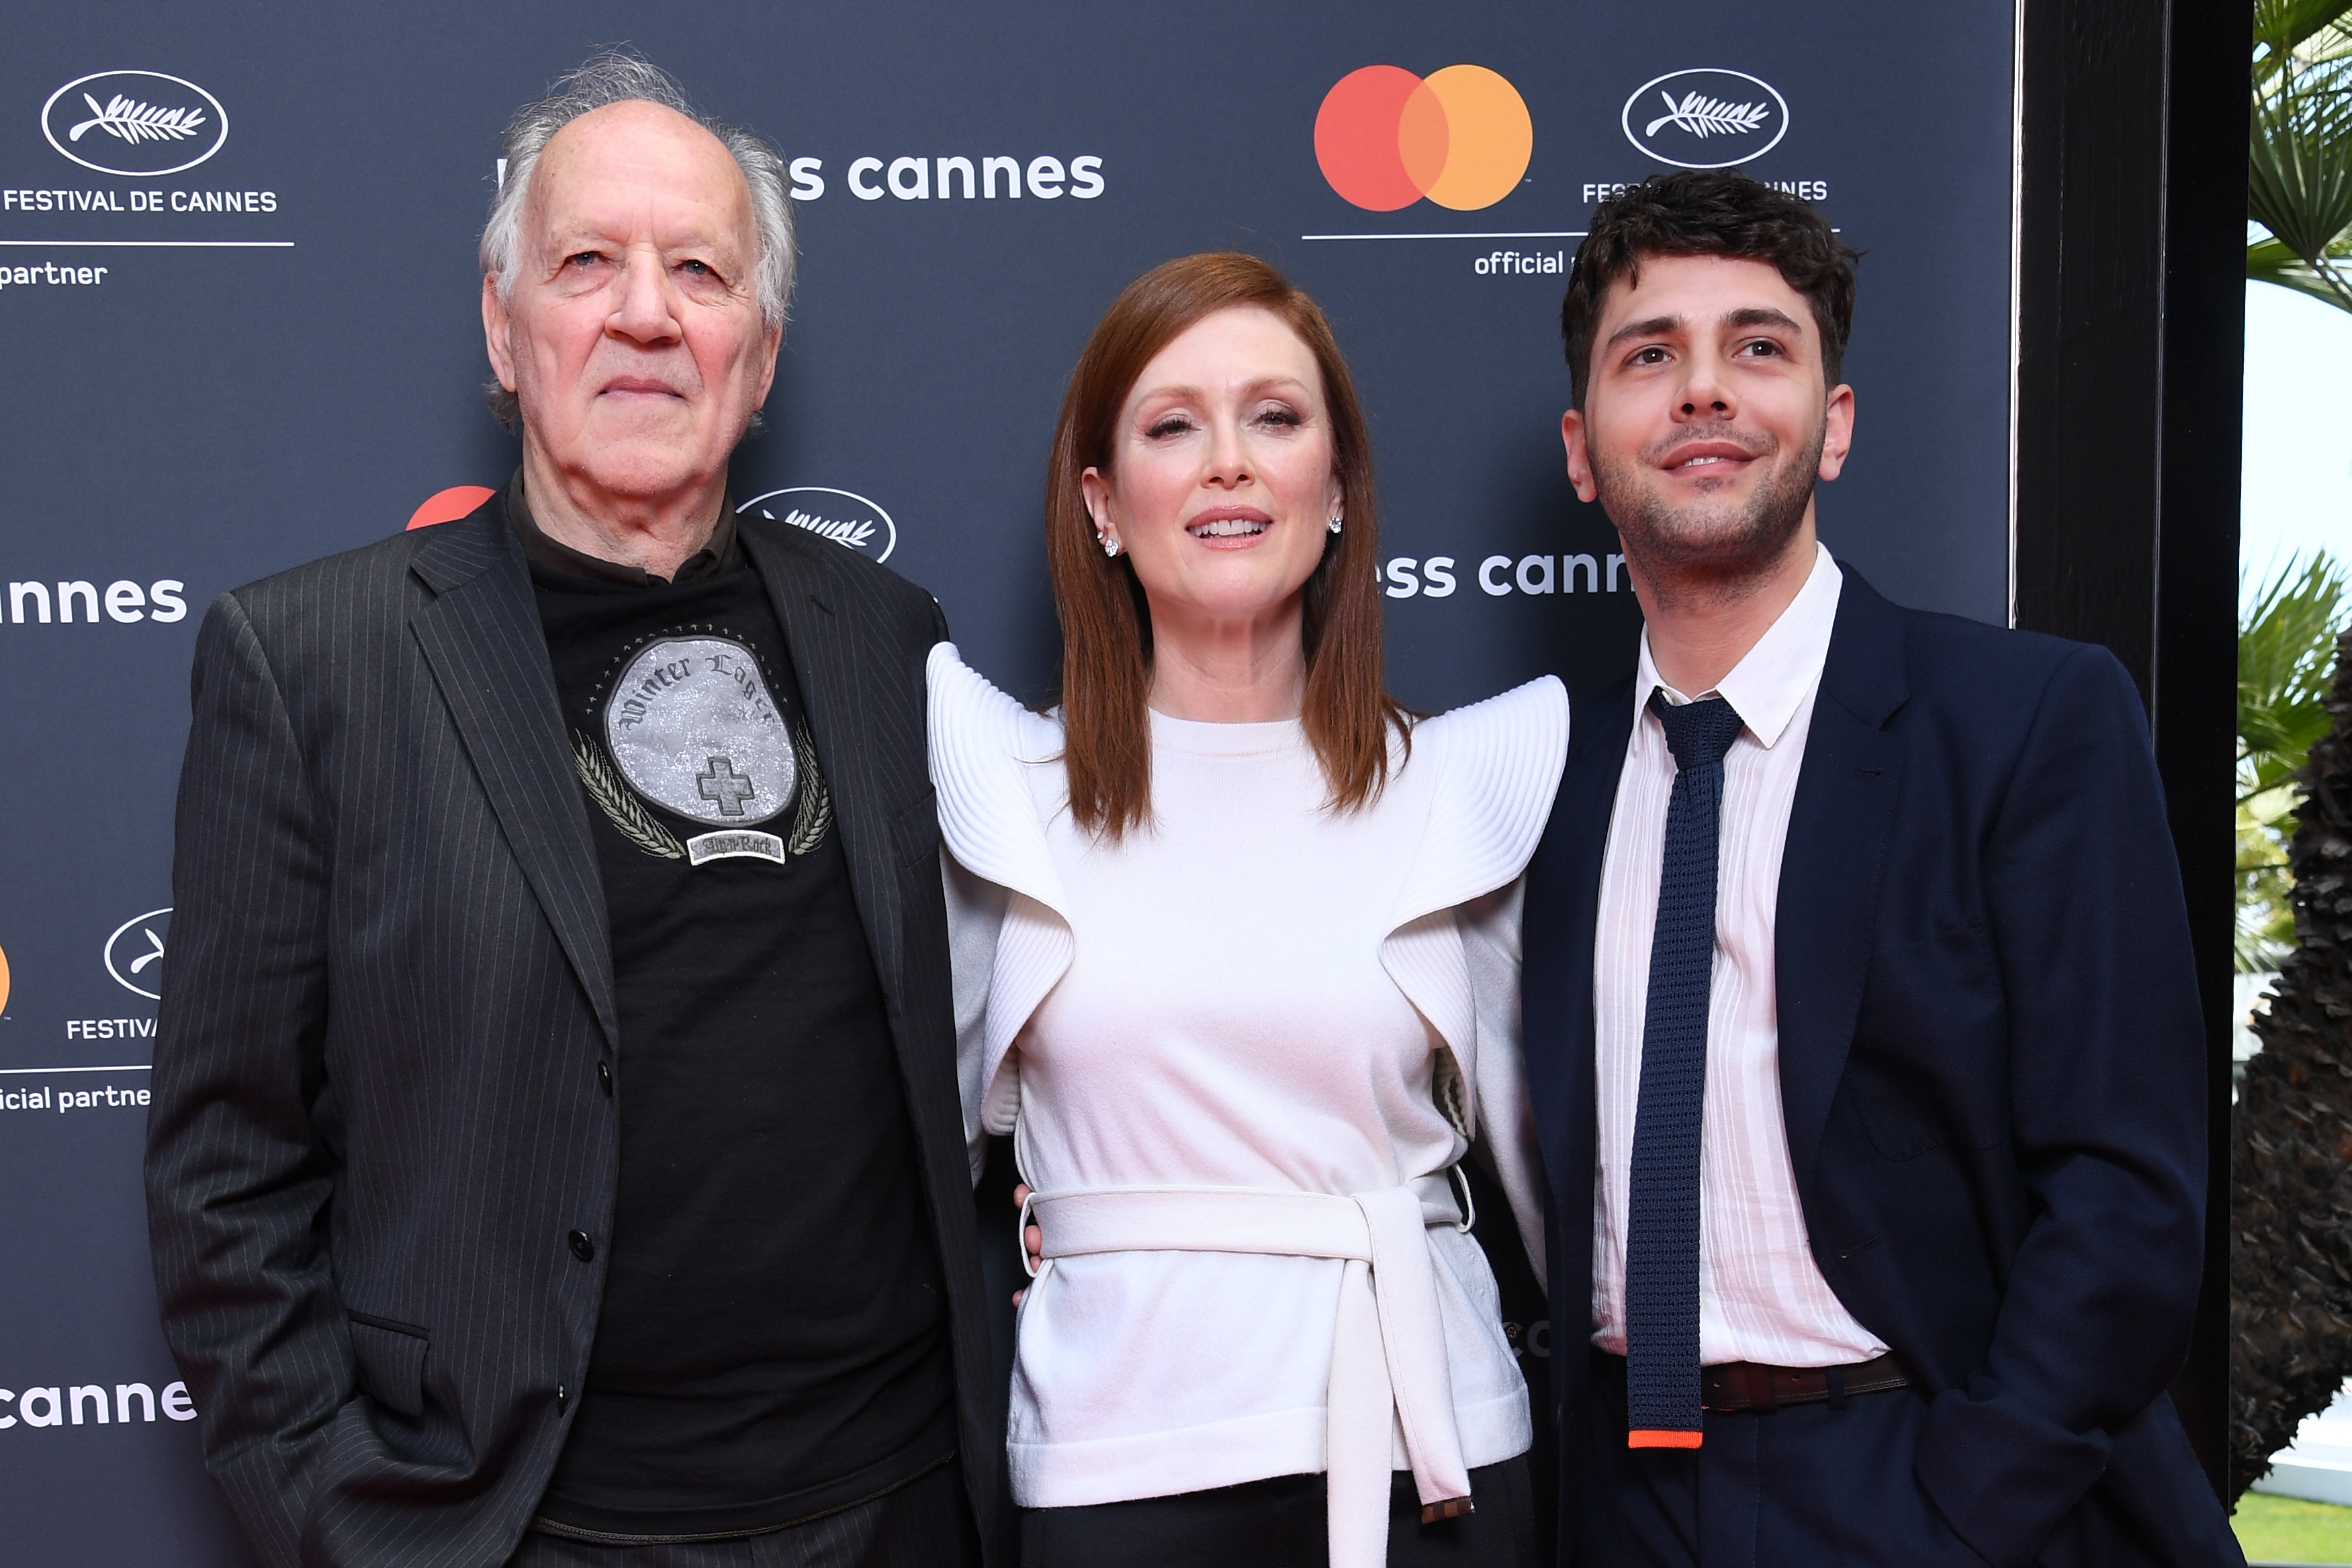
(203, 414)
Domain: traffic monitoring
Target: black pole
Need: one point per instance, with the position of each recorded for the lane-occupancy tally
(2131, 344)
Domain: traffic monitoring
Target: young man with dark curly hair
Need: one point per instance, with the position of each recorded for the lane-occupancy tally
(1859, 1017)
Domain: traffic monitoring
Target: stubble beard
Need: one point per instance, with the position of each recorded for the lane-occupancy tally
(1708, 552)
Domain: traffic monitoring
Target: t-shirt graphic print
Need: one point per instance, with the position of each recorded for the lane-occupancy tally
(691, 724)
(759, 1113)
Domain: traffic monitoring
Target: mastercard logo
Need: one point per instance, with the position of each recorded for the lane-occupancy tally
(1386, 138)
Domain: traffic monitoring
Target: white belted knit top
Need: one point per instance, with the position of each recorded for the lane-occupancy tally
(1239, 1050)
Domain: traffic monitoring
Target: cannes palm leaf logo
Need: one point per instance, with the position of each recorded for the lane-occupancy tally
(855, 535)
(135, 122)
(1703, 117)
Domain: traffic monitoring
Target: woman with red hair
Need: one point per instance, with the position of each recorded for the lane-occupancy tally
(1237, 950)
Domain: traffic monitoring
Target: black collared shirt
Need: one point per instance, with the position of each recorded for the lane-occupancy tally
(548, 553)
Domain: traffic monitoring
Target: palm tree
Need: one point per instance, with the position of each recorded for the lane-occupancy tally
(2286, 638)
(2291, 1130)
(2300, 188)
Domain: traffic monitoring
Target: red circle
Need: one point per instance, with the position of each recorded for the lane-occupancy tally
(447, 506)
(1356, 138)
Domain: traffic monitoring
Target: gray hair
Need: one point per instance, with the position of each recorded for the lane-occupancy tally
(614, 77)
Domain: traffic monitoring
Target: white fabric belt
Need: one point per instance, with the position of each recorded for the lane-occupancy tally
(1387, 1354)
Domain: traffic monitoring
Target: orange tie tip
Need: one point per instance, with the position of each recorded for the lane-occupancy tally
(1656, 1439)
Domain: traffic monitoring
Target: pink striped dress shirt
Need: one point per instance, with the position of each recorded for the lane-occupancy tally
(1761, 1296)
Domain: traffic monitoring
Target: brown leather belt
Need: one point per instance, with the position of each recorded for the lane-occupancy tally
(1749, 1385)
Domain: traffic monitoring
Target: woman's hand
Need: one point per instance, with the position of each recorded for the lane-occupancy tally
(1031, 1238)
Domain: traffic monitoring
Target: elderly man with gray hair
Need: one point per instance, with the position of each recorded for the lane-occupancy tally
(556, 1155)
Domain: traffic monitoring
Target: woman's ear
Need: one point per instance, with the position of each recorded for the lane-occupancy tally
(1096, 489)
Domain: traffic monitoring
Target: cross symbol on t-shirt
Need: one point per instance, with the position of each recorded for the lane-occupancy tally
(721, 784)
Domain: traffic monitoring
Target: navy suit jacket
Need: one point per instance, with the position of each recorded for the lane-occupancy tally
(1992, 1071)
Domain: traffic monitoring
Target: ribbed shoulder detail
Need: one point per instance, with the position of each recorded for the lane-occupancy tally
(1498, 765)
(1495, 767)
(985, 749)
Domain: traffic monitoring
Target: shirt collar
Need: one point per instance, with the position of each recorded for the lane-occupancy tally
(1768, 687)
(555, 557)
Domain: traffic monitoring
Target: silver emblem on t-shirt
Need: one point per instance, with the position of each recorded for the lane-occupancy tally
(691, 726)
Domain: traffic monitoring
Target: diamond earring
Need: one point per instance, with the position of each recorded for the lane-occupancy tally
(1109, 545)
(1335, 523)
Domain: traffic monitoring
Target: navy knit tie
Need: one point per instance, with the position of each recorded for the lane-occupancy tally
(1661, 1232)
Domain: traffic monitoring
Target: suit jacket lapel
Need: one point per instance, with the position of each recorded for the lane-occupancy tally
(481, 635)
(1587, 804)
(836, 669)
(1561, 921)
(1828, 905)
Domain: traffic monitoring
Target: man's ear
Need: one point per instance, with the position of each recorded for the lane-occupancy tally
(495, 320)
(772, 340)
(1837, 431)
(1579, 458)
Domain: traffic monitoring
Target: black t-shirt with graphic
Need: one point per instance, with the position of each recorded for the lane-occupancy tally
(773, 1343)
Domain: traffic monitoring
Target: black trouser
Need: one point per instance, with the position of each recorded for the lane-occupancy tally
(1282, 1523)
(924, 1523)
(1805, 1486)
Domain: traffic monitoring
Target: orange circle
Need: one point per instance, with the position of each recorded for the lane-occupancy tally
(3, 981)
(447, 506)
(1492, 137)
(1385, 138)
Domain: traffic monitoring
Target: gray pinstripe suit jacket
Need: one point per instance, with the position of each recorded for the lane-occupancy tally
(377, 1111)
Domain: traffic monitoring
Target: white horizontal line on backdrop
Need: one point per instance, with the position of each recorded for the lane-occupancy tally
(125, 1067)
(1553, 234)
(208, 244)
(1550, 234)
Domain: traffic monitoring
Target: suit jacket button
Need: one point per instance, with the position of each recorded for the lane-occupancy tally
(582, 1247)
(605, 1078)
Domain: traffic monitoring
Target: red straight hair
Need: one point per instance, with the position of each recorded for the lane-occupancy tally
(1106, 622)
